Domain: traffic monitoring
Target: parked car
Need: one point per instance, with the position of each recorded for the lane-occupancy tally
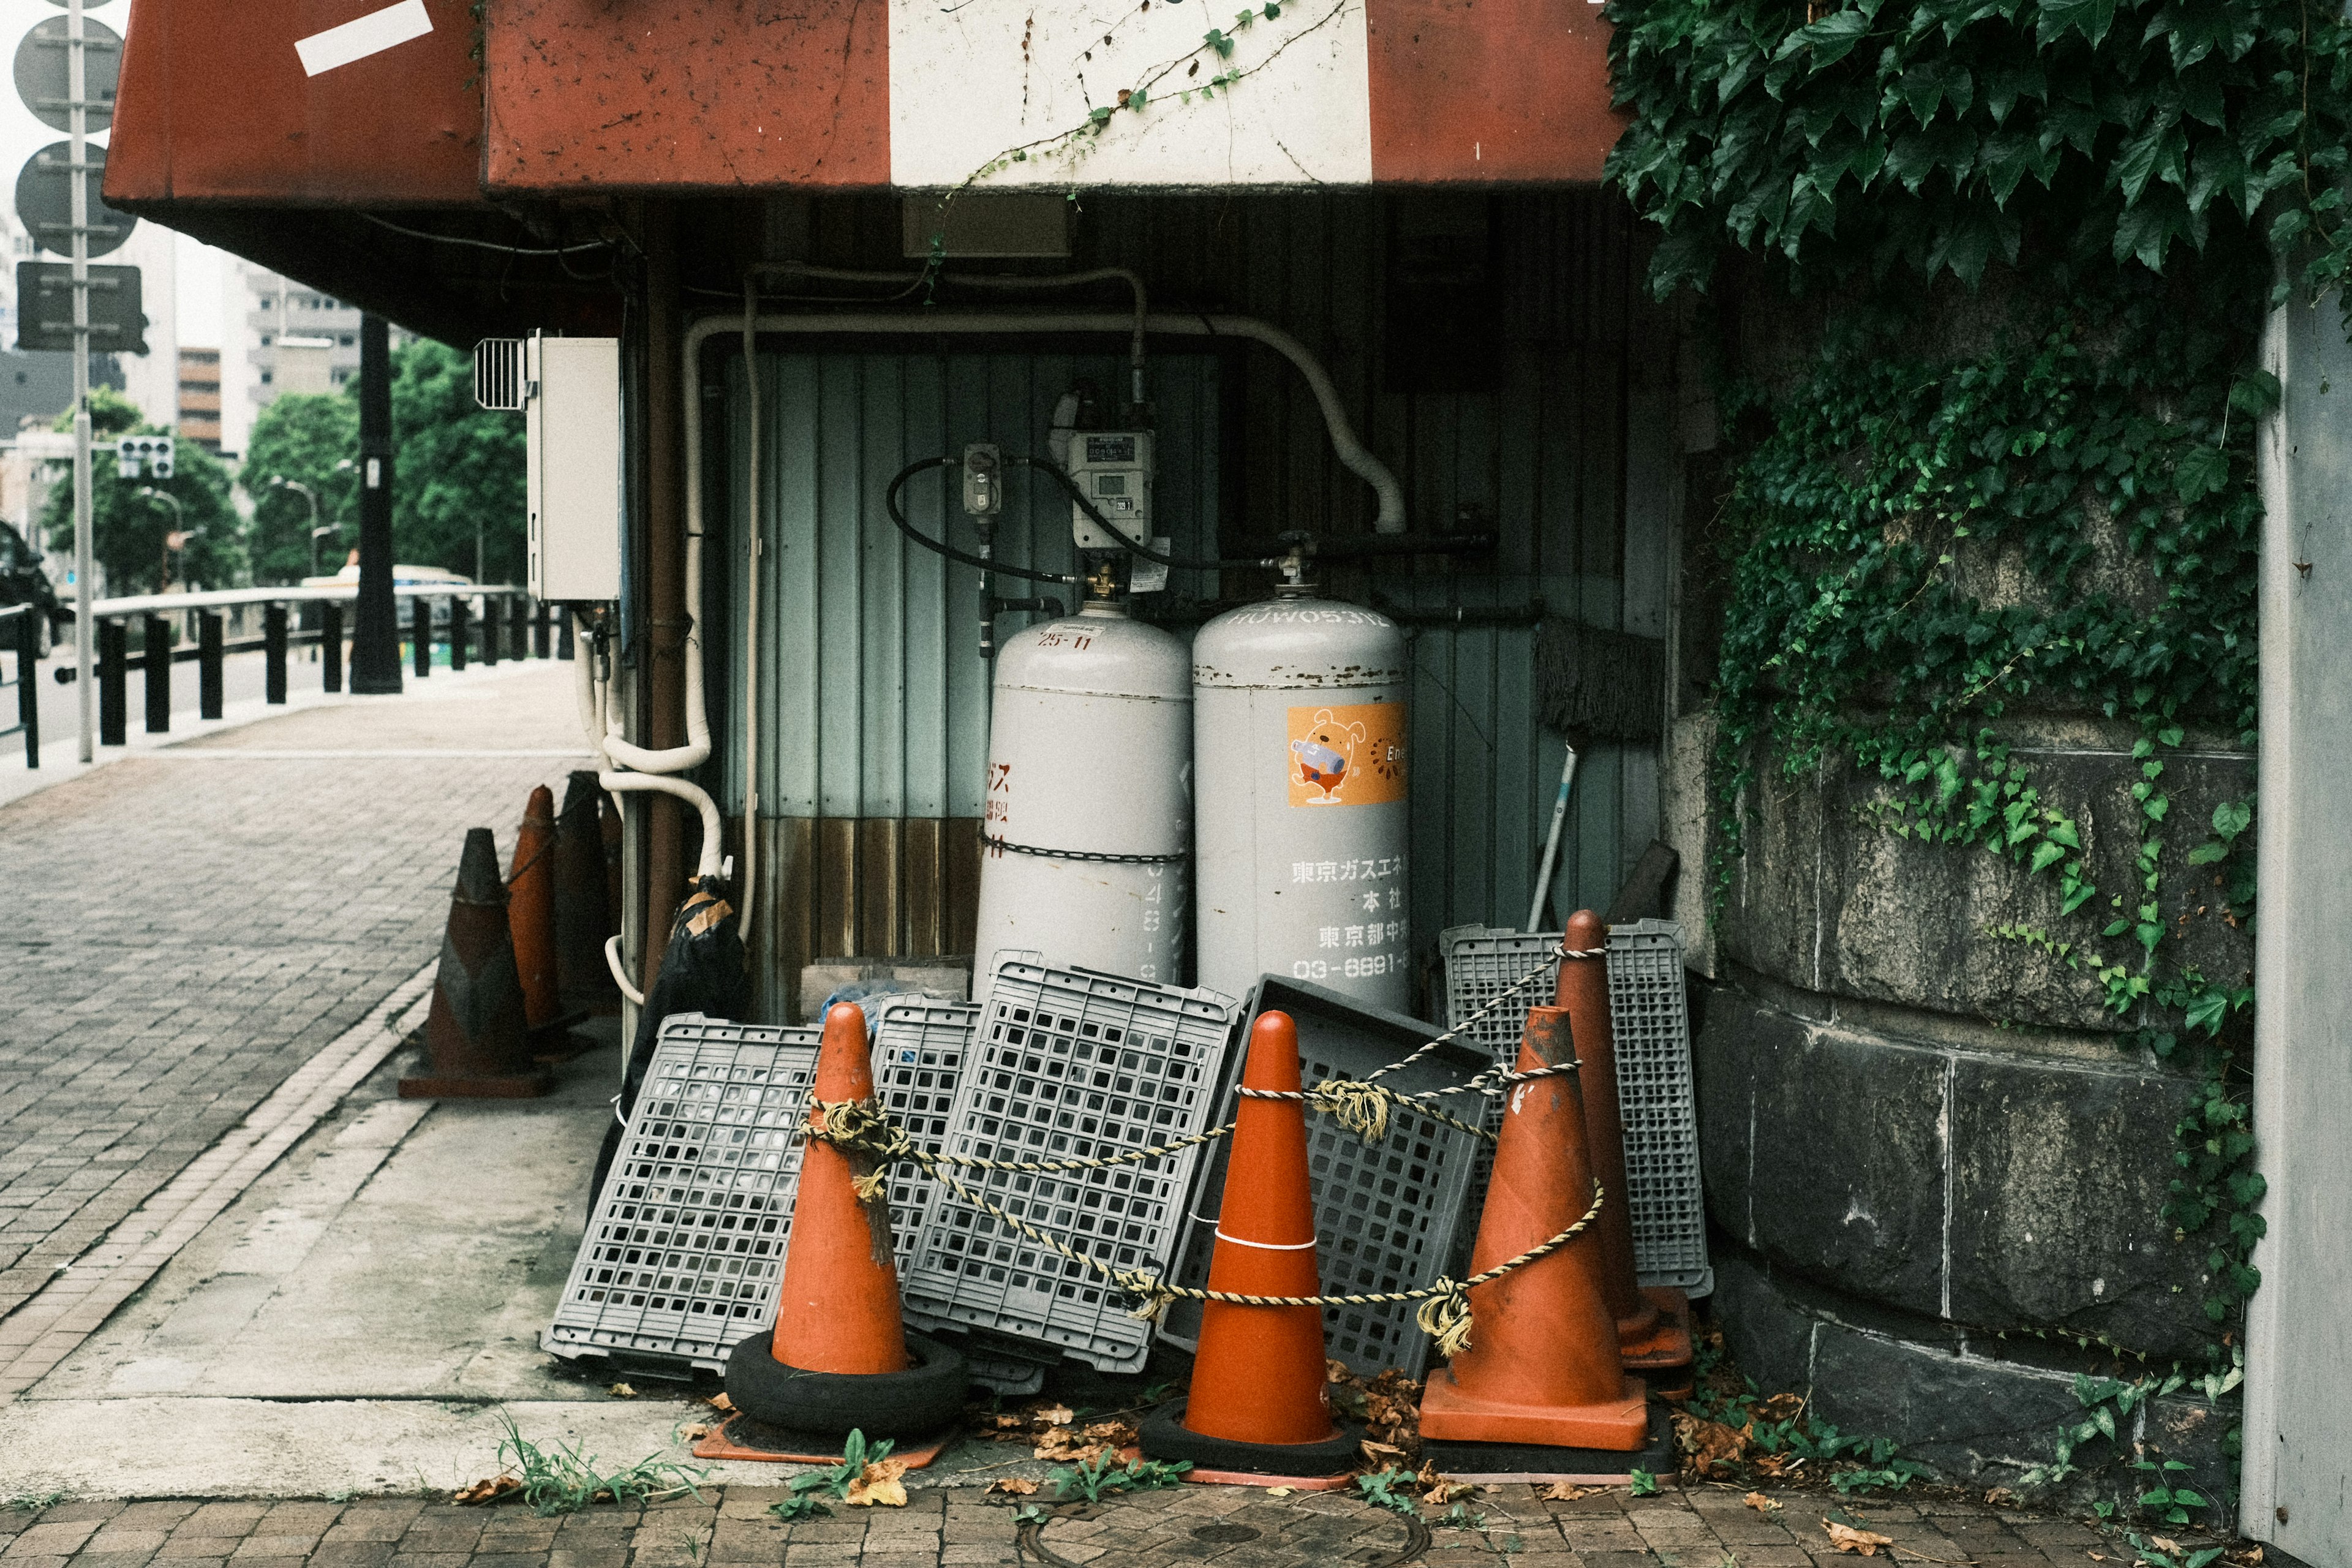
(21, 582)
(402, 576)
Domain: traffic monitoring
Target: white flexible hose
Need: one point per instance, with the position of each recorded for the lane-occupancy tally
(620, 977)
(752, 552)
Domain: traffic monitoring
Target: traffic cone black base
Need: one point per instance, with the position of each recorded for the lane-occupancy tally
(1499, 1463)
(475, 1046)
(741, 1437)
(1226, 1461)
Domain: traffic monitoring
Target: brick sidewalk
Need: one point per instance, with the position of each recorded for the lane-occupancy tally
(1706, 1527)
(188, 932)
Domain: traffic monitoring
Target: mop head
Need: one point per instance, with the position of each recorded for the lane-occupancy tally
(1598, 685)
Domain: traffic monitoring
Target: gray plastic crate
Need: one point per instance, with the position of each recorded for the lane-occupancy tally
(1649, 1016)
(1070, 1064)
(1391, 1216)
(684, 1255)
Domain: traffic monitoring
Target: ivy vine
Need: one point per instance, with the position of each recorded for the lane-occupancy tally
(1932, 528)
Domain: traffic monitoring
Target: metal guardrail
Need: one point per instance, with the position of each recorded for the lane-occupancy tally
(20, 633)
(510, 622)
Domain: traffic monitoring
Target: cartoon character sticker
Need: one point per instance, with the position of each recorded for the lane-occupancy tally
(1351, 755)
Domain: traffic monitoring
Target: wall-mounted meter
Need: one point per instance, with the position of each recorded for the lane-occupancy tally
(1113, 470)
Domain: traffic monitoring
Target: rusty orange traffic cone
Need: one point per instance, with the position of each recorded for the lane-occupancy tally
(1542, 1366)
(1260, 1410)
(531, 910)
(1653, 1327)
(839, 1358)
(583, 914)
(476, 1044)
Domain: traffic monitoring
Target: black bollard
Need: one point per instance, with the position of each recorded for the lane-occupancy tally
(273, 653)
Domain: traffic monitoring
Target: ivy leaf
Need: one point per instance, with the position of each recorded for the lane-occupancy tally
(2158, 152)
(2200, 471)
(2092, 19)
(1831, 40)
(2206, 1009)
(2256, 393)
(1925, 87)
(2233, 817)
(2047, 854)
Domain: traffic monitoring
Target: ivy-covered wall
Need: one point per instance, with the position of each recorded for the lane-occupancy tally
(1967, 701)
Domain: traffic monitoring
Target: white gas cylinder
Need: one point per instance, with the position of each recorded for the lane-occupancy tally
(1301, 791)
(1088, 820)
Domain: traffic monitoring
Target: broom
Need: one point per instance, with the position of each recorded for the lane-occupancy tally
(1593, 684)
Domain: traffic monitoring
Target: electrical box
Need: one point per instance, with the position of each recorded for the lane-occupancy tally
(1113, 470)
(572, 413)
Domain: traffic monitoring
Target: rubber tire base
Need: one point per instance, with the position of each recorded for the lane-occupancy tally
(1470, 1461)
(922, 1398)
(1165, 1437)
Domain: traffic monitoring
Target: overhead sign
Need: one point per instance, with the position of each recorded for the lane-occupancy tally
(44, 201)
(44, 68)
(118, 318)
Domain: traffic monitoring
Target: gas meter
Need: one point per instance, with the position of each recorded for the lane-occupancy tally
(1112, 468)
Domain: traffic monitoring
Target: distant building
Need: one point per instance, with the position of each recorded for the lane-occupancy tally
(200, 397)
(284, 337)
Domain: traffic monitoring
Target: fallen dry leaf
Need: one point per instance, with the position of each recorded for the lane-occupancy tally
(1708, 1443)
(1440, 1489)
(1383, 1454)
(621, 1390)
(2164, 1542)
(1781, 1407)
(1336, 1372)
(1761, 1504)
(483, 1492)
(1117, 1434)
(1567, 1491)
(1846, 1538)
(694, 1433)
(1279, 1491)
(721, 1401)
(1011, 1486)
(878, 1486)
(1055, 1416)
(2001, 1497)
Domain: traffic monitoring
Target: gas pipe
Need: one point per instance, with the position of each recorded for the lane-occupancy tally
(1299, 752)
(1088, 817)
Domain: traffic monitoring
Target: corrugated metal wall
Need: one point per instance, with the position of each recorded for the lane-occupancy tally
(874, 711)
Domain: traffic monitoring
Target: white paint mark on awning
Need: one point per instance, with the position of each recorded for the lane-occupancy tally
(364, 36)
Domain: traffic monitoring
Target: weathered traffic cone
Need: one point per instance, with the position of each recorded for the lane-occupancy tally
(1652, 1328)
(839, 1358)
(583, 983)
(1542, 1366)
(1260, 1410)
(476, 1044)
(531, 910)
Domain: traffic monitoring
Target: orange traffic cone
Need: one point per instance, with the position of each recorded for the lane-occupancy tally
(1542, 1366)
(531, 910)
(583, 914)
(1653, 1327)
(839, 1358)
(1260, 1410)
(474, 1043)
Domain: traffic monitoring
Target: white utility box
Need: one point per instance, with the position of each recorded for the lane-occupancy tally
(571, 408)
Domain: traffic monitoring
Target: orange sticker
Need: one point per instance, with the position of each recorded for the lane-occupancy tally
(1352, 755)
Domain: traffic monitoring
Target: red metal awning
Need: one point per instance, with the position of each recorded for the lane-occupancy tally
(216, 105)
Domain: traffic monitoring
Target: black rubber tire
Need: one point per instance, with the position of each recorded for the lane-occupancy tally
(1165, 1437)
(915, 1402)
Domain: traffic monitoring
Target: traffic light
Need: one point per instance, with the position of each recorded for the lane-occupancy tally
(147, 455)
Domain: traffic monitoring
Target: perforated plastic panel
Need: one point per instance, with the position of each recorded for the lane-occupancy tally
(1391, 1216)
(1649, 1016)
(684, 1254)
(1070, 1064)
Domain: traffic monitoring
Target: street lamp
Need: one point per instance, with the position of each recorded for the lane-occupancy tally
(280, 482)
(175, 539)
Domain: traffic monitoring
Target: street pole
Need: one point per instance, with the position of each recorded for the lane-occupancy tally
(376, 642)
(84, 551)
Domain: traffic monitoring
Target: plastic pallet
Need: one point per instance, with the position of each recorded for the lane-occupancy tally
(684, 1254)
(1391, 1216)
(1070, 1064)
(1649, 1015)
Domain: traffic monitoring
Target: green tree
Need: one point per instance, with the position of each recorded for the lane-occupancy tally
(127, 529)
(459, 468)
(310, 439)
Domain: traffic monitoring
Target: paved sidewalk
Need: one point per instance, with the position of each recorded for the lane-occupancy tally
(962, 1528)
(193, 927)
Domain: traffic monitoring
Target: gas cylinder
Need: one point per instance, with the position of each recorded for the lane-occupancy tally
(1088, 817)
(1301, 789)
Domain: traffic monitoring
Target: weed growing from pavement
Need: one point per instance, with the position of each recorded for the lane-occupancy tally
(33, 1503)
(564, 1480)
(1379, 1489)
(815, 1493)
(1645, 1483)
(1108, 1474)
